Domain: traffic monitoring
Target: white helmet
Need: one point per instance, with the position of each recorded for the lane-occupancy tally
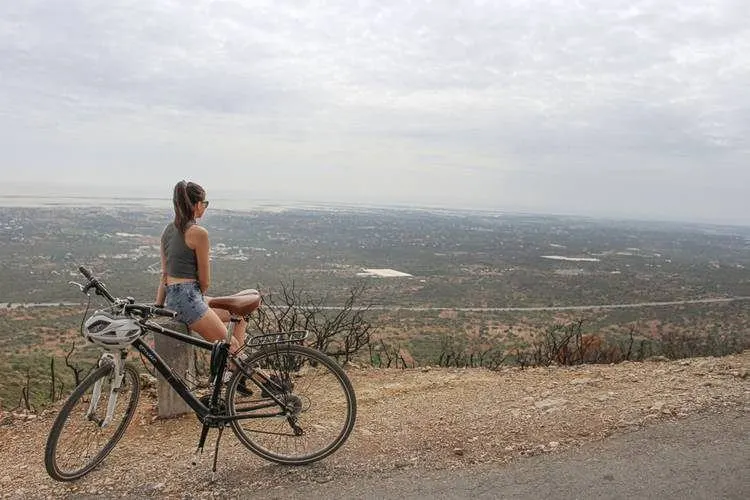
(111, 331)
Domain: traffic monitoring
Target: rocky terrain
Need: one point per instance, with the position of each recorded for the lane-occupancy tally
(420, 419)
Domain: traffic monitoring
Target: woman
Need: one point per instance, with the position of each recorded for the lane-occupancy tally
(186, 271)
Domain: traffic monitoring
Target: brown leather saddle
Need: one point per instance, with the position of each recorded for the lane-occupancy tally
(239, 304)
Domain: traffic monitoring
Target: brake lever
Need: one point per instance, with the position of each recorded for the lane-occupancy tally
(81, 287)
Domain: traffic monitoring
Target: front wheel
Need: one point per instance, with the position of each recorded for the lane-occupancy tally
(80, 439)
(303, 413)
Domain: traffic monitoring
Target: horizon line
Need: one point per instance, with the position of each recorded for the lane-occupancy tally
(311, 204)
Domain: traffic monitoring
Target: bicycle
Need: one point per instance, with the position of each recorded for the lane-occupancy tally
(301, 409)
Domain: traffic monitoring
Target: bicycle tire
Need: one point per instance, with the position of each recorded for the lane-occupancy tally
(319, 390)
(66, 435)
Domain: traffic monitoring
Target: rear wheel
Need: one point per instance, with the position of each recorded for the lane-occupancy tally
(306, 411)
(79, 441)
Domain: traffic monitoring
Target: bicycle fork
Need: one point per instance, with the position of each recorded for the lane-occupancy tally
(119, 373)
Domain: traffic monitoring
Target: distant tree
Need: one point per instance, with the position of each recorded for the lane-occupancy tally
(382, 355)
(74, 367)
(339, 331)
(25, 400)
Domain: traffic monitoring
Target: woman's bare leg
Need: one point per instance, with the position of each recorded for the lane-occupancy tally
(239, 329)
(212, 328)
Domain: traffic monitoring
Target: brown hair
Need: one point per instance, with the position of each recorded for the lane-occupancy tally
(186, 195)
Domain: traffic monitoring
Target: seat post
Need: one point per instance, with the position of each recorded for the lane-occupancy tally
(230, 329)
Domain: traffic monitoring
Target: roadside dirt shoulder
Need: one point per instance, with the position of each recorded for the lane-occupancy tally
(425, 419)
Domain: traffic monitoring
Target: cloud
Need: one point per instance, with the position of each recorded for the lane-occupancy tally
(480, 94)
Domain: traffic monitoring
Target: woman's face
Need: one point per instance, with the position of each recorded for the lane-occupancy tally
(200, 208)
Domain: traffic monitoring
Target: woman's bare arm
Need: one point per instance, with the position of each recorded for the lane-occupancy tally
(161, 291)
(196, 238)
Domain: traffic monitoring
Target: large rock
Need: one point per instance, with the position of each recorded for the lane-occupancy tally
(179, 356)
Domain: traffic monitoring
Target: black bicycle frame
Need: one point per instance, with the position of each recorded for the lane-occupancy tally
(205, 413)
(179, 386)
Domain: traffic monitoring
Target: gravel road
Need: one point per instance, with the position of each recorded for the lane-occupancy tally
(701, 457)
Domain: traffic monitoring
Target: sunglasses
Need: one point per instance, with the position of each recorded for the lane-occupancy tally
(204, 203)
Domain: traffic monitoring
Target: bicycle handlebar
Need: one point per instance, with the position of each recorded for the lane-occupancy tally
(86, 273)
(96, 284)
(143, 309)
(150, 310)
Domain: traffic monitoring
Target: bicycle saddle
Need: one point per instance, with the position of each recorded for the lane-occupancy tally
(240, 304)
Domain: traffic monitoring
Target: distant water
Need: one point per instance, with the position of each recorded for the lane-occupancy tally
(51, 195)
(231, 203)
(9, 200)
(234, 203)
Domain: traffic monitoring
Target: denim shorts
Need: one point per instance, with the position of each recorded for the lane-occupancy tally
(187, 301)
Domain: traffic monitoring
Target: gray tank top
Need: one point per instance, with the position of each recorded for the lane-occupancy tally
(181, 261)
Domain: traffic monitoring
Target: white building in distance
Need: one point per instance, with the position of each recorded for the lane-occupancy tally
(382, 273)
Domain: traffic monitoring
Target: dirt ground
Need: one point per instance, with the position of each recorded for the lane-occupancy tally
(422, 419)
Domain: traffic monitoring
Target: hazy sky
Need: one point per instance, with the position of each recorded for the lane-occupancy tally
(600, 107)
